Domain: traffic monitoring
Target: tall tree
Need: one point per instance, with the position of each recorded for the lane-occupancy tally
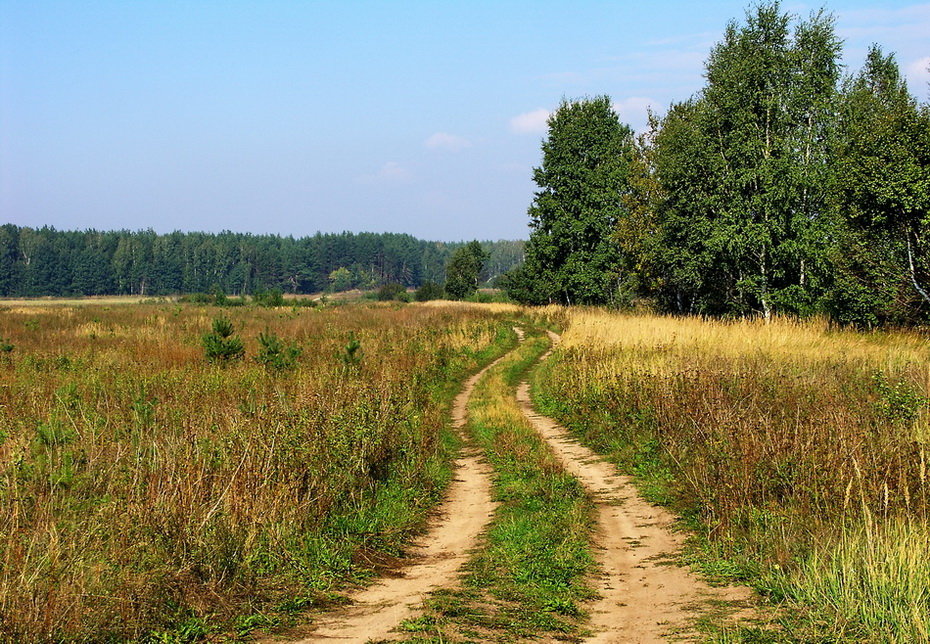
(882, 191)
(751, 152)
(464, 269)
(570, 256)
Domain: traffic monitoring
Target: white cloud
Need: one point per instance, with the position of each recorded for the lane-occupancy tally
(391, 173)
(445, 141)
(635, 110)
(535, 122)
(918, 76)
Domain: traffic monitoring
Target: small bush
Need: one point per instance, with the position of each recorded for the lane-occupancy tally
(275, 354)
(221, 345)
(392, 291)
(428, 291)
(352, 354)
(270, 299)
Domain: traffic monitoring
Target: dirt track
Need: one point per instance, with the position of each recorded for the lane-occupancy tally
(644, 598)
(435, 558)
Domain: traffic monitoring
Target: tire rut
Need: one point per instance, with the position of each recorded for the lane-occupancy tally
(375, 611)
(644, 595)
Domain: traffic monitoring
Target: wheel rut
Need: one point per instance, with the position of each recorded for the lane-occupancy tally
(375, 611)
(644, 597)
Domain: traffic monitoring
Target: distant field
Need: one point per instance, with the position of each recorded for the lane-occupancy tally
(102, 300)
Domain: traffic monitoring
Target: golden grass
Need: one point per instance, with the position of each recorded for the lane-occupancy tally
(783, 437)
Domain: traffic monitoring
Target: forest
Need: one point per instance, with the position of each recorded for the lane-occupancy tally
(45, 261)
(784, 186)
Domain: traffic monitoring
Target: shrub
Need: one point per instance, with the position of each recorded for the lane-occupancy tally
(275, 354)
(221, 345)
(392, 291)
(270, 299)
(428, 291)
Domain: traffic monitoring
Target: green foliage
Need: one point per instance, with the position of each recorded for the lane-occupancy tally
(898, 402)
(274, 354)
(881, 197)
(6, 346)
(341, 279)
(352, 353)
(570, 257)
(220, 345)
(393, 291)
(270, 299)
(428, 291)
(741, 173)
(46, 261)
(464, 269)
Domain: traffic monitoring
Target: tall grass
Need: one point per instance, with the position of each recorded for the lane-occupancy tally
(792, 444)
(145, 489)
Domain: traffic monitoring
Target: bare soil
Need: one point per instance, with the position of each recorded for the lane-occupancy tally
(375, 611)
(644, 595)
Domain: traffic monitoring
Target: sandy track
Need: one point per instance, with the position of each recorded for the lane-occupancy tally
(642, 597)
(434, 559)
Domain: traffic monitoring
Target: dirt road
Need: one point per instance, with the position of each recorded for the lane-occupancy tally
(644, 598)
(378, 609)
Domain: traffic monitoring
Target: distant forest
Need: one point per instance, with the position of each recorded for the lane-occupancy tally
(45, 261)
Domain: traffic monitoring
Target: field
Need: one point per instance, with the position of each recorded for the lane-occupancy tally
(153, 494)
(144, 488)
(798, 452)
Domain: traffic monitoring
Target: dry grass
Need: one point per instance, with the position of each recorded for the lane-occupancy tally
(783, 438)
(142, 488)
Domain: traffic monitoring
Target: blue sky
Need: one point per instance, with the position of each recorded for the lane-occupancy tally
(294, 117)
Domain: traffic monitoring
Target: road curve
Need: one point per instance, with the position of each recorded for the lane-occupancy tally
(643, 597)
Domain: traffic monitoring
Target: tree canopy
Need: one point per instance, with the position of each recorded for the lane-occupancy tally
(570, 256)
(779, 188)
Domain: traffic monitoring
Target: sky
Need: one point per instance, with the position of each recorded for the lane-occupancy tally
(296, 117)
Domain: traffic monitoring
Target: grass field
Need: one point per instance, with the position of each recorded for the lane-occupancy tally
(146, 490)
(151, 494)
(798, 451)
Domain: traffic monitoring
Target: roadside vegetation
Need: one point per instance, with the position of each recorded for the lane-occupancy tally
(529, 577)
(797, 452)
(170, 472)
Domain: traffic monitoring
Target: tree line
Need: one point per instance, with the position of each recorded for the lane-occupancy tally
(782, 187)
(45, 261)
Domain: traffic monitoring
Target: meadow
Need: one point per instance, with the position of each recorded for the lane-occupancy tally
(152, 494)
(149, 493)
(796, 451)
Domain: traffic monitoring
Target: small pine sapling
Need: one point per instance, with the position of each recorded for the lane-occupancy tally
(220, 345)
(275, 354)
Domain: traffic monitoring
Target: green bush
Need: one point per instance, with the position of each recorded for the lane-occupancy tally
(270, 299)
(221, 345)
(428, 291)
(275, 354)
(392, 291)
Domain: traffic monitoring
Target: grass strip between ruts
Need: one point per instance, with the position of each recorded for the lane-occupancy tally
(528, 578)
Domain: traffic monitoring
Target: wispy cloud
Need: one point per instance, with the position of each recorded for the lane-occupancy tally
(635, 110)
(535, 122)
(918, 76)
(445, 141)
